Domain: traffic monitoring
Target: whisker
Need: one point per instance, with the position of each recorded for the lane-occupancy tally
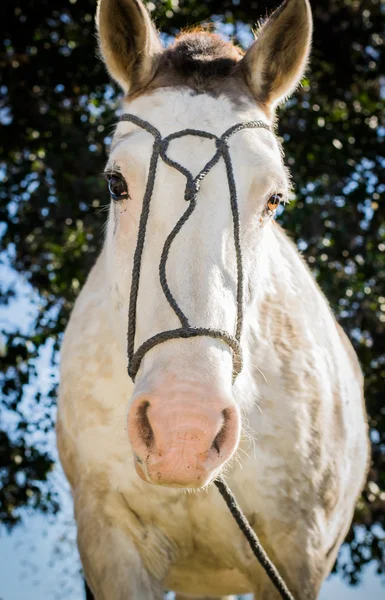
(244, 452)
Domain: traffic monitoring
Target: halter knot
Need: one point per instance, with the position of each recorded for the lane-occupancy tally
(161, 145)
(191, 190)
(221, 144)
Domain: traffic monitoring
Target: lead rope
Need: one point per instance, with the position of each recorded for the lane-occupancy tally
(253, 540)
(186, 330)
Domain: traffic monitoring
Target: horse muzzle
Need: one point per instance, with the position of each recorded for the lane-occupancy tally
(182, 437)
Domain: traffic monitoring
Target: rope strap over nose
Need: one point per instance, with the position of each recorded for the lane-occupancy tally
(191, 192)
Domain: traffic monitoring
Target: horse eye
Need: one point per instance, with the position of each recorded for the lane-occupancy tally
(117, 186)
(274, 202)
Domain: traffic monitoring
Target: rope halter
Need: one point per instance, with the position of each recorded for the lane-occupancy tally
(186, 330)
(191, 193)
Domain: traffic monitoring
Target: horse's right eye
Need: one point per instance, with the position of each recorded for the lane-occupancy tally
(117, 186)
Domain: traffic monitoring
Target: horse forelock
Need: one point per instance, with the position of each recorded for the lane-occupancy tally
(201, 61)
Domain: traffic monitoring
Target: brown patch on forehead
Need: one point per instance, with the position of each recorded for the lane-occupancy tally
(203, 62)
(202, 54)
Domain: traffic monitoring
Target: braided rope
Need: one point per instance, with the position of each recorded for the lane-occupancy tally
(190, 332)
(186, 331)
(253, 540)
(142, 230)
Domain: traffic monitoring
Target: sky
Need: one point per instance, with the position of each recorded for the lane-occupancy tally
(39, 559)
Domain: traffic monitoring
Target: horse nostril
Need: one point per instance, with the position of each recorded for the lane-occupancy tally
(144, 427)
(221, 435)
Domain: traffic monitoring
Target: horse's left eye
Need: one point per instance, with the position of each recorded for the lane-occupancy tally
(117, 186)
(274, 202)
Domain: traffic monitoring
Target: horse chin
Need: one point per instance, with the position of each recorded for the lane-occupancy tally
(201, 481)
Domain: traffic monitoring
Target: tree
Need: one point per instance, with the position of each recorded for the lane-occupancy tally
(57, 109)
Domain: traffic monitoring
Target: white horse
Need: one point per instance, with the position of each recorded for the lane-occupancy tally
(289, 431)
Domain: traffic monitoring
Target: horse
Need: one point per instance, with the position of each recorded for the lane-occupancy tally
(236, 365)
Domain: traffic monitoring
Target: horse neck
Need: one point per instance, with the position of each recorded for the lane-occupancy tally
(284, 301)
(281, 275)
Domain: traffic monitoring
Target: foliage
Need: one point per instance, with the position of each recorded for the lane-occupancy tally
(57, 107)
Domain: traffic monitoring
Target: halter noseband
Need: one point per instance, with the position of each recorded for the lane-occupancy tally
(160, 147)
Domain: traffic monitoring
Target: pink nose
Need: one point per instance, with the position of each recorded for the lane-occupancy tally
(182, 440)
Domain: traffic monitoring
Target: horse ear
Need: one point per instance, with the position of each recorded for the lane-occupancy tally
(275, 63)
(128, 41)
